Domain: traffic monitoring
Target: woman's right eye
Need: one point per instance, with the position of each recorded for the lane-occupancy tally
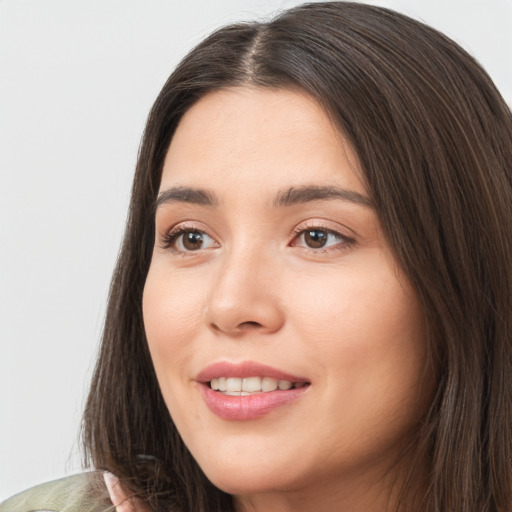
(188, 240)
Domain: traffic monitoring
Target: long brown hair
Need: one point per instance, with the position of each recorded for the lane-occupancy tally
(434, 140)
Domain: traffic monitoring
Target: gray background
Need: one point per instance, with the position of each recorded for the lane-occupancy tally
(77, 78)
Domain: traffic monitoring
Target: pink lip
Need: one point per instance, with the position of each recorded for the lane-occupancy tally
(246, 407)
(244, 369)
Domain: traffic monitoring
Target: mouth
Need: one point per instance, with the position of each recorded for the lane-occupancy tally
(235, 386)
(248, 390)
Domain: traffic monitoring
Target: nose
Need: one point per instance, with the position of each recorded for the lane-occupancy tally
(244, 298)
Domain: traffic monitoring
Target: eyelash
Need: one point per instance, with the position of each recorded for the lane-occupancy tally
(170, 238)
(345, 242)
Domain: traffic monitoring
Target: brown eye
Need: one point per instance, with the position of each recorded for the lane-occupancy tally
(321, 239)
(315, 238)
(192, 240)
(188, 240)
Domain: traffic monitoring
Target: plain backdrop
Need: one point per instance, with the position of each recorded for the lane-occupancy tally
(77, 79)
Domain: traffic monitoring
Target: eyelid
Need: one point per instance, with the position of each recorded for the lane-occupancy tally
(322, 225)
(169, 236)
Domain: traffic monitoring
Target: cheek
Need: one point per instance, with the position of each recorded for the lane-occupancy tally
(172, 314)
(367, 344)
(356, 307)
(365, 332)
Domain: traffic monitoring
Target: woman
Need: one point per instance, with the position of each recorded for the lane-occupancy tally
(312, 305)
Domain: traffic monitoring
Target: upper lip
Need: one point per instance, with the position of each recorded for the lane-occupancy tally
(245, 369)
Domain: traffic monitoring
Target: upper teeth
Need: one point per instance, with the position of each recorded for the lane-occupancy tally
(250, 384)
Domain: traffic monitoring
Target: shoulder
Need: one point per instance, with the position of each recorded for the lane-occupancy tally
(79, 493)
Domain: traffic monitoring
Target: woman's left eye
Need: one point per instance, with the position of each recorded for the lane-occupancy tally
(320, 238)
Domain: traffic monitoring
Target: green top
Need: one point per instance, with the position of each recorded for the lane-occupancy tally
(85, 492)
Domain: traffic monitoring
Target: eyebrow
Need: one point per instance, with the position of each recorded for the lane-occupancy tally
(294, 195)
(186, 195)
(306, 194)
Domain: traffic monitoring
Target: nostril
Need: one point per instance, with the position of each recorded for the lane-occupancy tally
(249, 325)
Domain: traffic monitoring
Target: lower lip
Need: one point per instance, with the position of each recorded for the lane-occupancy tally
(250, 407)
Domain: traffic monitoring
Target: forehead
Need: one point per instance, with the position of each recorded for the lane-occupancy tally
(259, 137)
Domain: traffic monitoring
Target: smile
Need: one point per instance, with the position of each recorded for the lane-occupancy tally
(233, 386)
(248, 390)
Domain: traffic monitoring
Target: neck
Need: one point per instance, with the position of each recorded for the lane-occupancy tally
(351, 493)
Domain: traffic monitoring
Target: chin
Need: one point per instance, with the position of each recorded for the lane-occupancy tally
(247, 483)
(245, 479)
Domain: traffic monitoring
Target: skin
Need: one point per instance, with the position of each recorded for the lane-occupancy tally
(343, 315)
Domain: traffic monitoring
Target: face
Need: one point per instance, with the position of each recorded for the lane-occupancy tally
(288, 346)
